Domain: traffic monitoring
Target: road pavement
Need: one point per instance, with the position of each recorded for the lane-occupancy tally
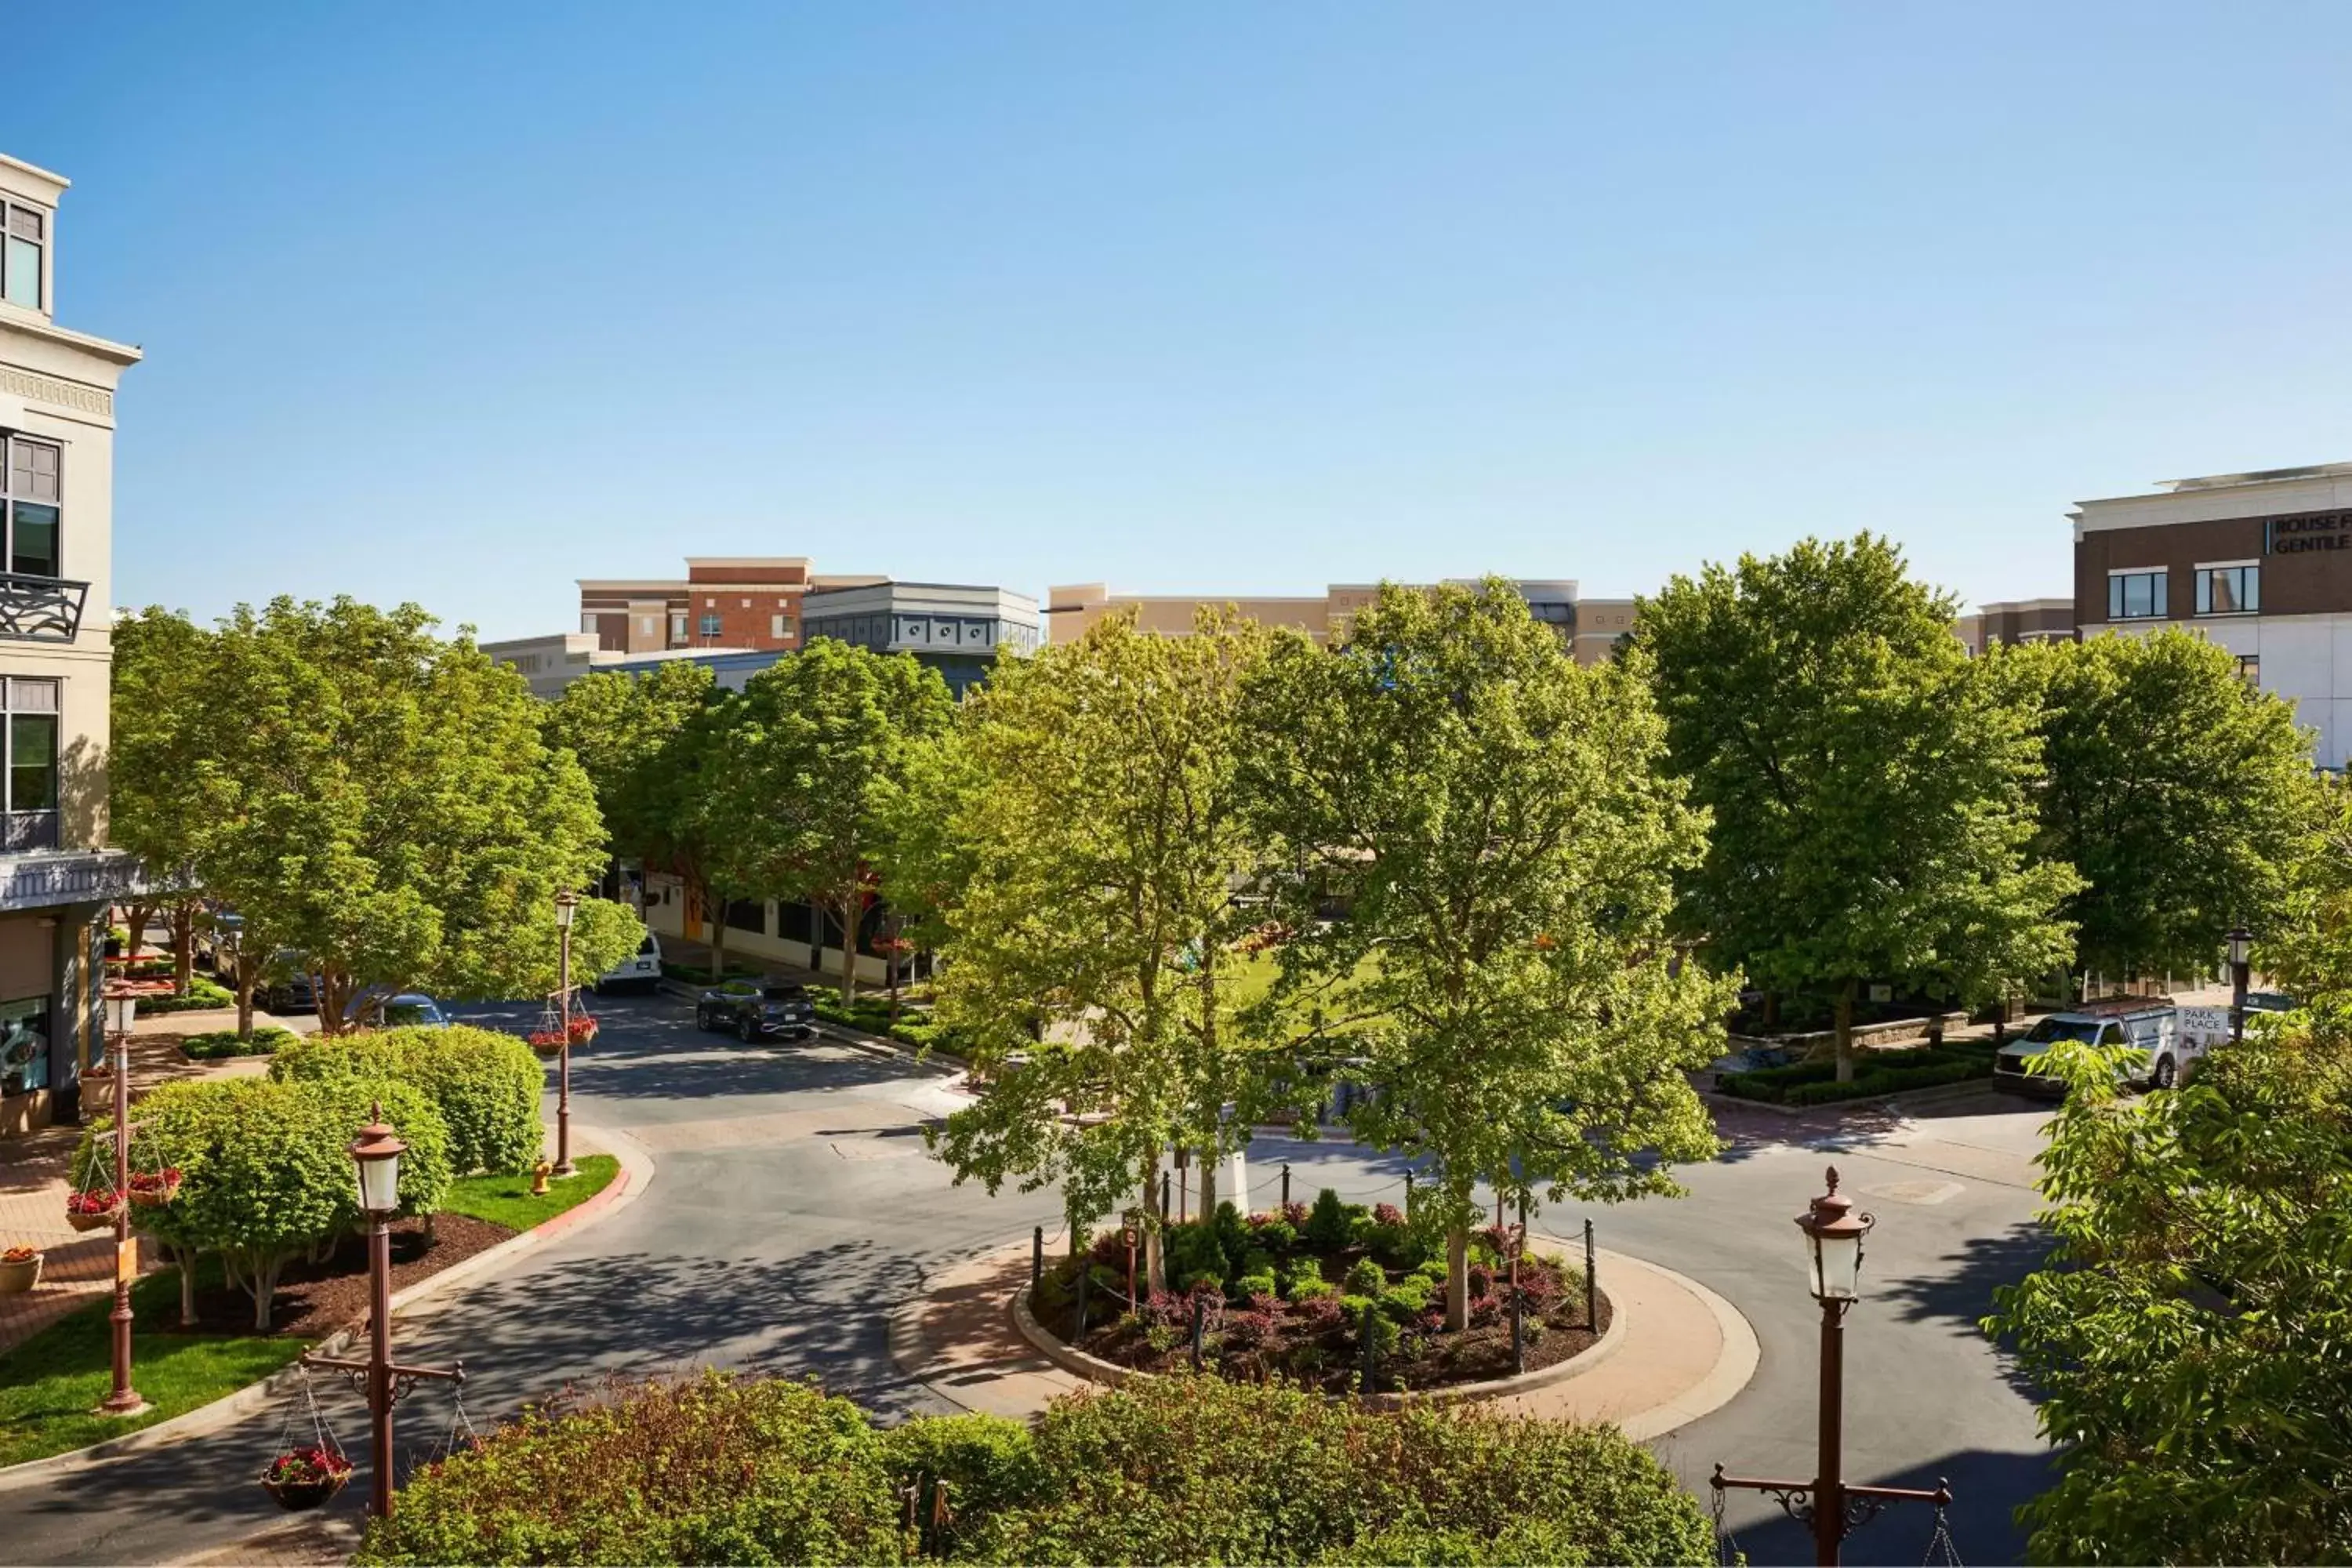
(794, 1206)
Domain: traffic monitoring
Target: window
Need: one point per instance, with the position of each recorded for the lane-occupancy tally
(32, 478)
(776, 624)
(710, 625)
(26, 258)
(748, 915)
(677, 627)
(24, 1045)
(2235, 590)
(2137, 595)
(31, 782)
(646, 624)
(588, 622)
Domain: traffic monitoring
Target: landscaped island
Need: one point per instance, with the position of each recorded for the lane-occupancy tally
(1292, 1295)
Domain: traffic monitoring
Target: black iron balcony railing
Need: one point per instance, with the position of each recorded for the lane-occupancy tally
(40, 609)
(23, 830)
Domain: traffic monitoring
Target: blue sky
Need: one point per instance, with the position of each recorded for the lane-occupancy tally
(458, 303)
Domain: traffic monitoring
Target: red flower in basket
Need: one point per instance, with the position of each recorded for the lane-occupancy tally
(299, 1466)
(546, 1041)
(93, 1209)
(153, 1188)
(583, 1029)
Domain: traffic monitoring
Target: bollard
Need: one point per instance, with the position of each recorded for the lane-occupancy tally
(1371, 1373)
(1167, 1182)
(1408, 1194)
(1518, 1333)
(1199, 1317)
(1591, 1318)
(1286, 1186)
(1036, 1257)
(1523, 1222)
(1086, 1272)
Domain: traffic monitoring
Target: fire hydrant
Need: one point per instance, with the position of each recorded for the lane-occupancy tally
(539, 1174)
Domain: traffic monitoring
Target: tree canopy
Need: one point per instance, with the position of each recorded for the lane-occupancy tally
(1872, 788)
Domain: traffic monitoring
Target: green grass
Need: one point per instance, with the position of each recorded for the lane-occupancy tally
(507, 1200)
(49, 1383)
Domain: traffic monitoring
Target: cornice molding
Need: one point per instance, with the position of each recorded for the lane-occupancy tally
(70, 395)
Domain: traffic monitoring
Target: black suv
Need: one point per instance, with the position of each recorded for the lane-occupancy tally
(756, 1009)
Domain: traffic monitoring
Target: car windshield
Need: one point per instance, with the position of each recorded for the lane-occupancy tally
(2050, 1029)
(408, 1013)
(647, 946)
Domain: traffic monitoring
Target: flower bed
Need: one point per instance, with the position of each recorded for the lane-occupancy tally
(1287, 1295)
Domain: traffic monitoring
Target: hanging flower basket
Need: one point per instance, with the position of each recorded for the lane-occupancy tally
(153, 1189)
(20, 1270)
(583, 1029)
(93, 1210)
(546, 1042)
(305, 1478)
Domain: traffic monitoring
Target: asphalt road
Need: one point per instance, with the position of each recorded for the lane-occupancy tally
(794, 1206)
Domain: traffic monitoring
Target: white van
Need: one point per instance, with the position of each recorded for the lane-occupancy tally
(641, 970)
(2148, 1024)
(2200, 1029)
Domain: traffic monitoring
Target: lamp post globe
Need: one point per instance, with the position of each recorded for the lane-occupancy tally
(121, 1012)
(1833, 1234)
(377, 1154)
(2241, 945)
(566, 902)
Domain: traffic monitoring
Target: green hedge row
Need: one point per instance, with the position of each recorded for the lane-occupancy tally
(218, 1043)
(1182, 1470)
(1876, 1073)
(202, 993)
(871, 1013)
(486, 1084)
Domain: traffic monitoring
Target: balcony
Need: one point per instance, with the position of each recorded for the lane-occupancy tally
(25, 831)
(40, 609)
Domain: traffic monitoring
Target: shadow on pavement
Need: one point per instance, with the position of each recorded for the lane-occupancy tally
(1986, 1487)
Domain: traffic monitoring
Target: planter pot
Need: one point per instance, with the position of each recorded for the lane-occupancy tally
(294, 1496)
(16, 1278)
(93, 1221)
(155, 1197)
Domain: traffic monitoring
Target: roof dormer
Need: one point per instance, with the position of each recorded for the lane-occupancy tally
(28, 218)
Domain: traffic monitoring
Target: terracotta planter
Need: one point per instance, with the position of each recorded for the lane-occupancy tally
(16, 1278)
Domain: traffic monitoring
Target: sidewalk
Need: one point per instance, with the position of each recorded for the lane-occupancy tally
(36, 1175)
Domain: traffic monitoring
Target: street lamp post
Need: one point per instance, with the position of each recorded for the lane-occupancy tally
(2241, 948)
(121, 1007)
(566, 903)
(1833, 1509)
(376, 1154)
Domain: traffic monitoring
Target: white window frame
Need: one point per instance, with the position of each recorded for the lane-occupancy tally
(2200, 597)
(2164, 573)
(44, 248)
(10, 441)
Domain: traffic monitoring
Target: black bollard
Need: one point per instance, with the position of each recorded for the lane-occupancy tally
(1518, 1330)
(1086, 1273)
(1167, 1185)
(1036, 1257)
(1286, 1186)
(1591, 1318)
(1199, 1317)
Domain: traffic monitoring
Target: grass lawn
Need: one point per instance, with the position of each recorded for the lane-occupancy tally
(507, 1200)
(49, 1383)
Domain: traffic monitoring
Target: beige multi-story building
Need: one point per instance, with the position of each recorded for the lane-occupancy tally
(57, 476)
(1589, 626)
(723, 601)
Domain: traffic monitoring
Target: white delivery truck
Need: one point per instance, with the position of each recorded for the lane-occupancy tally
(2147, 1023)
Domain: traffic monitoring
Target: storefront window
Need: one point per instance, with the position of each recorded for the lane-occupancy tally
(24, 1045)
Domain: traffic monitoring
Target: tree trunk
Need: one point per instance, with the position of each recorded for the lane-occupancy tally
(852, 908)
(248, 975)
(264, 1284)
(1457, 1278)
(186, 1256)
(1845, 1033)
(1771, 1010)
(184, 946)
(1208, 1159)
(1155, 1256)
(136, 926)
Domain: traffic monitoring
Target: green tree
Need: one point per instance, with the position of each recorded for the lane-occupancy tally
(622, 729)
(1084, 884)
(379, 799)
(1498, 827)
(2186, 1335)
(1872, 788)
(2181, 793)
(159, 718)
(794, 800)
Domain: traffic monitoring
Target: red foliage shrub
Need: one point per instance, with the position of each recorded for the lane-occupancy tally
(1387, 1213)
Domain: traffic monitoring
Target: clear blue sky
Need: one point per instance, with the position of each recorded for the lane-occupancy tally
(458, 303)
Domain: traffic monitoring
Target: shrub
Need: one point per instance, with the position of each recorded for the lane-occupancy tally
(712, 1470)
(203, 995)
(988, 1463)
(1408, 1298)
(1351, 1307)
(1274, 1235)
(1388, 1213)
(1366, 1279)
(1326, 1223)
(1232, 1236)
(486, 1084)
(1311, 1287)
(1193, 1250)
(1253, 1284)
(217, 1043)
(1295, 1212)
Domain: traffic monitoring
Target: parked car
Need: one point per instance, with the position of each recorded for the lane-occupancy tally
(2149, 1025)
(289, 985)
(399, 1010)
(642, 969)
(756, 1009)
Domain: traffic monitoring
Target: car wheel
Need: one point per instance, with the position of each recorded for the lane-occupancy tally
(2165, 1072)
(702, 1018)
(746, 1030)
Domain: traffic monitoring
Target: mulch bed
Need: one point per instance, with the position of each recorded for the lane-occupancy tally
(314, 1299)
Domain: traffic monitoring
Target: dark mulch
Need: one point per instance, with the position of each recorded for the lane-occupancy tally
(314, 1299)
(1328, 1357)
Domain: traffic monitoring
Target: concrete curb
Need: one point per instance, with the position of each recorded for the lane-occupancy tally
(637, 1169)
(1959, 1090)
(1096, 1370)
(1733, 1368)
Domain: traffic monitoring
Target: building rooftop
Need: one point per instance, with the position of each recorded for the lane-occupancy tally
(2258, 477)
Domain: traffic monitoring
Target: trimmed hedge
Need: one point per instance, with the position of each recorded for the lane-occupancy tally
(1876, 1073)
(486, 1084)
(1178, 1469)
(219, 1043)
(203, 995)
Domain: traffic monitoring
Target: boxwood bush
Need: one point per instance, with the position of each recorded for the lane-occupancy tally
(1875, 1073)
(486, 1083)
(1180, 1469)
(203, 995)
(218, 1043)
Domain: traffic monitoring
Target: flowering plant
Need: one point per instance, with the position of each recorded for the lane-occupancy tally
(98, 1200)
(20, 1255)
(546, 1040)
(583, 1029)
(155, 1187)
(299, 1466)
(1387, 1213)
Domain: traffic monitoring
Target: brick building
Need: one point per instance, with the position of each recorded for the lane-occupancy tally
(723, 601)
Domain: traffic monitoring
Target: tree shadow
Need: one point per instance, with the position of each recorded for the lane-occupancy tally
(1986, 1485)
(1960, 1288)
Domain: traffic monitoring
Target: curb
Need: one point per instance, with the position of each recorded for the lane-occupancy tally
(637, 1169)
(1732, 1372)
(1838, 1107)
(1096, 1370)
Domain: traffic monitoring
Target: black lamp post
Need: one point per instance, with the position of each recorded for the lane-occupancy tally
(377, 1154)
(2241, 948)
(566, 903)
(1833, 1509)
